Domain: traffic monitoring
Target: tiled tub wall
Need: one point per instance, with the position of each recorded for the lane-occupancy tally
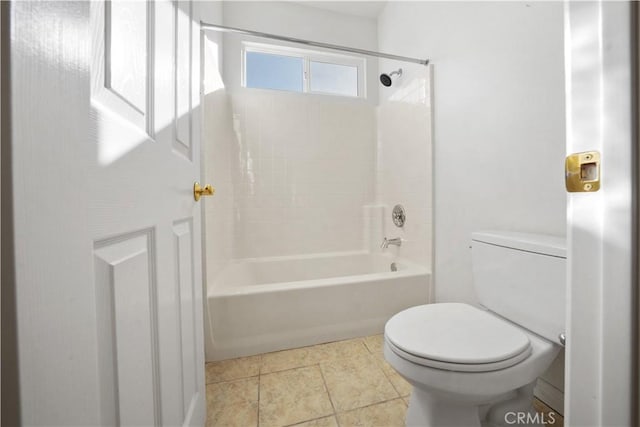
(404, 159)
(300, 173)
(218, 145)
(302, 167)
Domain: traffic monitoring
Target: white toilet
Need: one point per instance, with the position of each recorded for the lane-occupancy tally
(472, 366)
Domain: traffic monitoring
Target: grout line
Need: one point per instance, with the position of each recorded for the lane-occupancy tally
(312, 419)
(371, 404)
(367, 346)
(380, 364)
(259, 356)
(304, 346)
(387, 377)
(335, 414)
(207, 393)
(230, 381)
(258, 412)
(259, 382)
(305, 365)
(292, 369)
(391, 382)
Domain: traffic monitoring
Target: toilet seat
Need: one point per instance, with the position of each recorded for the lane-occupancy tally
(456, 337)
(461, 367)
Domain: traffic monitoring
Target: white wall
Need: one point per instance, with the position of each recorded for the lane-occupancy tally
(303, 22)
(498, 120)
(298, 20)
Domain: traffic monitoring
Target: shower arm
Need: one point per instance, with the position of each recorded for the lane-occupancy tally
(224, 29)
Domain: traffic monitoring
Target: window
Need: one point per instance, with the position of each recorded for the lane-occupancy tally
(333, 78)
(267, 71)
(300, 70)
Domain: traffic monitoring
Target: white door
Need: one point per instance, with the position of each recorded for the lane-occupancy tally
(105, 139)
(600, 99)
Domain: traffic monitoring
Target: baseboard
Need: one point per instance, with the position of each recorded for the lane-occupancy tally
(550, 395)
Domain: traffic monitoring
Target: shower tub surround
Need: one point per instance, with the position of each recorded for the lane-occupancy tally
(305, 186)
(259, 305)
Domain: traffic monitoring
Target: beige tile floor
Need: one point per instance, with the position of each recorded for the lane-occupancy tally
(344, 383)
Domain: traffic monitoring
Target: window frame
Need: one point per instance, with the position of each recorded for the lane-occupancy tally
(308, 56)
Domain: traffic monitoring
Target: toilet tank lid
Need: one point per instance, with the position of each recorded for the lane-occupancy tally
(544, 244)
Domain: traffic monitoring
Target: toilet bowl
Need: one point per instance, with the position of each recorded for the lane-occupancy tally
(469, 365)
(437, 369)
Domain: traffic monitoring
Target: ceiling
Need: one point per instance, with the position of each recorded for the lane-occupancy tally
(365, 9)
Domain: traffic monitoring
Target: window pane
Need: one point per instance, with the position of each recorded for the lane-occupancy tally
(267, 71)
(334, 78)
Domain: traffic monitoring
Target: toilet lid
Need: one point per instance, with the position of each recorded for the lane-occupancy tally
(456, 333)
(460, 367)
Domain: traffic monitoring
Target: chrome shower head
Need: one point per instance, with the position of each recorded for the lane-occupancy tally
(386, 79)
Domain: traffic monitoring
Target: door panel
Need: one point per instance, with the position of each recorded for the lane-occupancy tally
(111, 312)
(186, 291)
(120, 65)
(182, 142)
(127, 329)
(126, 51)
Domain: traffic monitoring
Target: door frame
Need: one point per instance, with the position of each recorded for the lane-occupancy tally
(601, 363)
(636, 145)
(10, 410)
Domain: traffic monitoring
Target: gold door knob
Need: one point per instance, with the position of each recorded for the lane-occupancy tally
(199, 191)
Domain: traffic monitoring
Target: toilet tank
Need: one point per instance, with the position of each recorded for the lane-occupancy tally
(522, 277)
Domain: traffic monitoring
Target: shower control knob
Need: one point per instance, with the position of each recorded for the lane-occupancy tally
(398, 215)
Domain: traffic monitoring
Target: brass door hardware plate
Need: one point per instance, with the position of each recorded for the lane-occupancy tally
(582, 172)
(199, 191)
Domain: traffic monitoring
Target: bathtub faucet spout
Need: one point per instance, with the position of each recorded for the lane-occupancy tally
(395, 241)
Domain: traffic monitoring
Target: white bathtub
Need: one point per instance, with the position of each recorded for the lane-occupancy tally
(266, 304)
